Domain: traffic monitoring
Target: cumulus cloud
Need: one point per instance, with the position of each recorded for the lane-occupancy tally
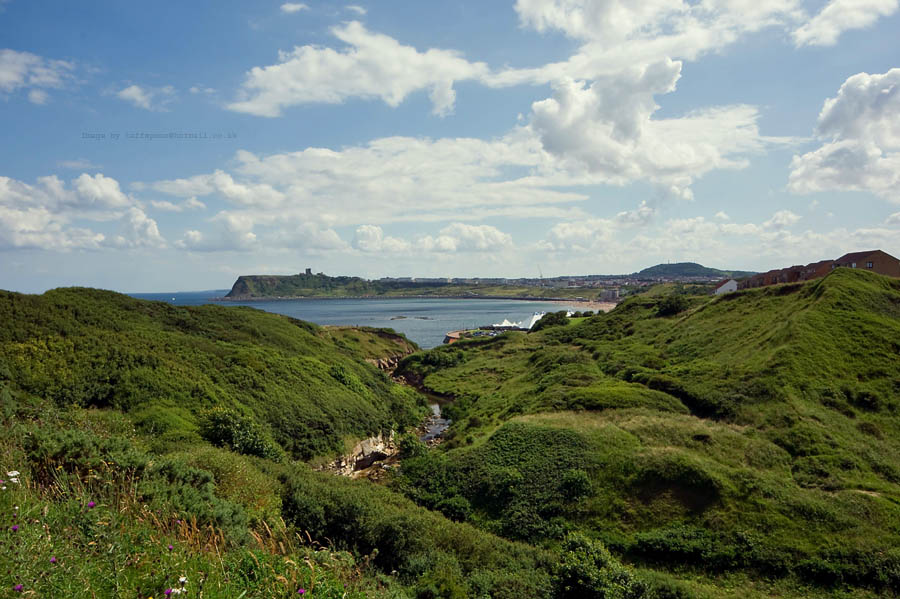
(461, 237)
(839, 16)
(24, 70)
(292, 7)
(606, 129)
(167, 206)
(148, 98)
(583, 236)
(371, 65)
(47, 215)
(860, 131)
(396, 179)
(371, 239)
(781, 220)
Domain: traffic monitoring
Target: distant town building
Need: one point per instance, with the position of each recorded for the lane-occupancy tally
(309, 271)
(874, 260)
(726, 286)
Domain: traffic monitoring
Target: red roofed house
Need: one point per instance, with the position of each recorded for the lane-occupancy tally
(726, 286)
(874, 260)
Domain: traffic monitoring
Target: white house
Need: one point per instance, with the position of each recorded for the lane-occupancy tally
(726, 286)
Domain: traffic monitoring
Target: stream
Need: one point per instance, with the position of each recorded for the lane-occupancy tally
(435, 424)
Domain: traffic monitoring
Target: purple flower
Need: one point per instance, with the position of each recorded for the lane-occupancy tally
(91, 504)
(52, 560)
(15, 527)
(171, 548)
(301, 591)
(18, 588)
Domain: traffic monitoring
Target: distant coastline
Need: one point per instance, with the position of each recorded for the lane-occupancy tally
(591, 304)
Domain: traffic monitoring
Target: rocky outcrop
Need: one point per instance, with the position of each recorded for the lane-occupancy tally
(388, 364)
(364, 455)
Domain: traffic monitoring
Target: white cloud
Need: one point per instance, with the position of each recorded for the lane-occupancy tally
(78, 164)
(148, 98)
(361, 11)
(606, 130)
(46, 215)
(231, 232)
(24, 70)
(292, 7)
(138, 231)
(781, 220)
(100, 193)
(893, 219)
(392, 179)
(200, 89)
(371, 239)
(38, 96)
(860, 130)
(583, 236)
(842, 15)
(371, 66)
(461, 237)
(189, 204)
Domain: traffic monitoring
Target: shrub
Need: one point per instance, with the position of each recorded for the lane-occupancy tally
(671, 305)
(551, 319)
(587, 570)
(576, 484)
(226, 428)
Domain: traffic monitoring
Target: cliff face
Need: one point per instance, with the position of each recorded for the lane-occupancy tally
(241, 288)
(300, 285)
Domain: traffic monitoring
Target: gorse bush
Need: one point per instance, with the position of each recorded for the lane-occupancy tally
(226, 428)
(550, 319)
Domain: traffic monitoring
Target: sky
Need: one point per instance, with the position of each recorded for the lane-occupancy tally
(173, 146)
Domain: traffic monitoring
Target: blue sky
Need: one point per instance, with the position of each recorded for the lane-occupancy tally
(441, 139)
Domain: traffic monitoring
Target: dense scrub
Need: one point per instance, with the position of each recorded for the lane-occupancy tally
(261, 383)
(751, 433)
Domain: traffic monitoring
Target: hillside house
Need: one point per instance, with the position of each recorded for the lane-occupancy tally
(874, 260)
(726, 286)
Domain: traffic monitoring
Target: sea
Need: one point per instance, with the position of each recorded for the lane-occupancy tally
(424, 321)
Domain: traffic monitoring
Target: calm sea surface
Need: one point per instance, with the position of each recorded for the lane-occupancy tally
(424, 321)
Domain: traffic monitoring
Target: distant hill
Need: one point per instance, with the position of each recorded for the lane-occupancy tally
(689, 269)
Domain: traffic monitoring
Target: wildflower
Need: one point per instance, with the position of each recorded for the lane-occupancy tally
(15, 527)
(183, 580)
(91, 504)
(171, 548)
(53, 560)
(168, 593)
(18, 588)
(13, 476)
(301, 591)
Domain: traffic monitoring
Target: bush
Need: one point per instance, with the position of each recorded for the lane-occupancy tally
(576, 484)
(671, 305)
(587, 570)
(551, 319)
(226, 428)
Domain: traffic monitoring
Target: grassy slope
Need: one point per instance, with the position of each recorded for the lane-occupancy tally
(87, 380)
(755, 432)
(307, 388)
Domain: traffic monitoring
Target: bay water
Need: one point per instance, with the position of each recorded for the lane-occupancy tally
(424, 321)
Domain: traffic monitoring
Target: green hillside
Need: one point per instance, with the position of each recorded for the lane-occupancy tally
(180, 372)
(753, 435)
(680, 446)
